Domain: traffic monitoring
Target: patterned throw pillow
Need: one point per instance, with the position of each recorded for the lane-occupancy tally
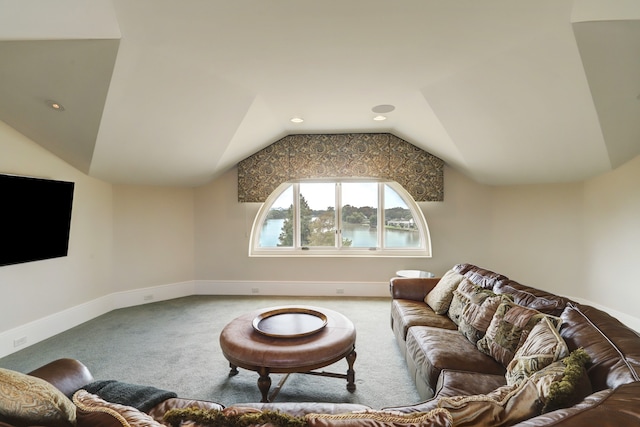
(96, 412)
(478, 313)
(543, 346)
(463, 295)
(563, 383)
(27, 400)
(509, 329)
(440, 296)
(458, 302)
(560, 384)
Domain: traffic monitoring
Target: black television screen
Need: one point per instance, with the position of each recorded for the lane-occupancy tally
(35, 218)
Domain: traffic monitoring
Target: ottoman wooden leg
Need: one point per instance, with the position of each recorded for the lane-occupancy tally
(351, 374)
(234, 370)
(264, 383)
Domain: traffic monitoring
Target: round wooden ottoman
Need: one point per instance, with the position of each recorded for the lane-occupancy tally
(289, 339)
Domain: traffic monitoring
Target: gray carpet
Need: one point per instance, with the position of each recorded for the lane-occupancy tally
(173, 345)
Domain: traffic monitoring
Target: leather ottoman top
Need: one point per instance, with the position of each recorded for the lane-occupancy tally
(247, 348)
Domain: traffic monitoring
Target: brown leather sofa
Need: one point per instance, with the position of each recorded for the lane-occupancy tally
(70, 375)
(444, 363)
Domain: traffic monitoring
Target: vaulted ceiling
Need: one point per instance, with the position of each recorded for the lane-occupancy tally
(167, 92)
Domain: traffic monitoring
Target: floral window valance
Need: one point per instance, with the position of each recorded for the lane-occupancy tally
(361, 155)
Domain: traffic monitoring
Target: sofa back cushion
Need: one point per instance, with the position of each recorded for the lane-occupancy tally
(613, 347)
(537, 299)
(480, 276)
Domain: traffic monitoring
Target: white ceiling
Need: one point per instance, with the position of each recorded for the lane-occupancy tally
(177, 92)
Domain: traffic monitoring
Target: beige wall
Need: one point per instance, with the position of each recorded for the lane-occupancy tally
(576, 239)
(537, 235)
(612, 239)
(37, 289)
(223, 228)
(153, 241)
(567, 238)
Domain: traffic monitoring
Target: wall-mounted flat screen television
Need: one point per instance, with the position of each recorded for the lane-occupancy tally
(35, 218)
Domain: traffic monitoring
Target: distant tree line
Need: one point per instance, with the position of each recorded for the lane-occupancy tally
(317, 227)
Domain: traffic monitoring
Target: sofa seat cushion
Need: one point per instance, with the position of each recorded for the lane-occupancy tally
(465, 383)
(454, 383)
(434, 349)
(407, 313)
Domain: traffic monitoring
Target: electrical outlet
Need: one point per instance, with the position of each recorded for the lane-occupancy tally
(255, 290)
(148, 297)
(18, 342)
(340, 291)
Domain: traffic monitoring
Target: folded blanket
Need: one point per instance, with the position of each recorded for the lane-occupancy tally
(140, 397)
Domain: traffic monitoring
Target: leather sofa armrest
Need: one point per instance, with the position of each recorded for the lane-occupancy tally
(67, 375)
(619, 407)
(412, 288)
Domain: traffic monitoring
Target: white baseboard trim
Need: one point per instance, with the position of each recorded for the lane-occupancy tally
(308, 289)
(30, 333)
(33, 332)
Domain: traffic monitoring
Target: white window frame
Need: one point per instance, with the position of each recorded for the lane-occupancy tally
(424, 251)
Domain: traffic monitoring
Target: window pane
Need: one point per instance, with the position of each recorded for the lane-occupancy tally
(400, 230)
(318, 214)
(359, 214)
(277, 229)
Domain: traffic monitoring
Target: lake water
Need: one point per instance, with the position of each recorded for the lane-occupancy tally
(361, 236)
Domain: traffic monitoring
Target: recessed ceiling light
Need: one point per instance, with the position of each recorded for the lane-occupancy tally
(55, 105)
(297, 120)
(383, 108)
(380, 118)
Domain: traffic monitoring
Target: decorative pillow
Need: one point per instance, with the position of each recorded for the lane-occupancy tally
(563, 383)
(478, 313)
(543, 346)
(28, 400)
(505, 406)
(96, 412)
(462, 296)
(438, 417)
(440, 296)
(458, 302)
(509, 329)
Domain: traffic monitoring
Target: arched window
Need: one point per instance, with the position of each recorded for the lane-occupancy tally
(340, 218)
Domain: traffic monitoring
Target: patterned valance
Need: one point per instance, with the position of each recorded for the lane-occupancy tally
(361, 155)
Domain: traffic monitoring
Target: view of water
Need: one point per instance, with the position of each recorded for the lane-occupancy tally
(362, 236)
